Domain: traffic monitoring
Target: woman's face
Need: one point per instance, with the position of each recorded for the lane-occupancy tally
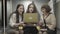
(31, 8)
(43, 10)
(20, 9)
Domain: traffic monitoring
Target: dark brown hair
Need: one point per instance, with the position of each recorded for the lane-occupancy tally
(18, 7)
(17, 13)
(47, 7)
(34, 11)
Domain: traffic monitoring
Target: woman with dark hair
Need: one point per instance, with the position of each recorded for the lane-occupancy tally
(16, 18)
(49, 20)
(31, 8)
(30, 29)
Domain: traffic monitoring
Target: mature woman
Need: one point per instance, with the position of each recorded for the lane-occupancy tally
(49, 20)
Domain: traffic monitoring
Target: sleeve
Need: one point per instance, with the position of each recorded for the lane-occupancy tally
(12, 20)
(53, 22)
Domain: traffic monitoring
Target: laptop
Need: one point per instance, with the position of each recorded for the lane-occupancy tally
(30, 17)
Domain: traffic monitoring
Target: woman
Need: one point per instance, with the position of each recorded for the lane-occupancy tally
(30, 29)
(49, 20)
(16, 18)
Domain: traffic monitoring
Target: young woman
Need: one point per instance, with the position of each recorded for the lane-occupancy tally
(48, 19)
(30, 29)
(16, 18)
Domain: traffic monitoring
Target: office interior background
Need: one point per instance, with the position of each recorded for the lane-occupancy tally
(11, 6)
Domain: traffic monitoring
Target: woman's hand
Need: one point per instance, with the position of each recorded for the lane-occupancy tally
(40, 23)
(17, 24)
(22, 23)
(43, 29)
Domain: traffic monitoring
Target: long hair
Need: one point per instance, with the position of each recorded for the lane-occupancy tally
(34, 11)
(17, 13)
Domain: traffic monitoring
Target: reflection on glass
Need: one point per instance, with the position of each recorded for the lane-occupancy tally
(0, 13)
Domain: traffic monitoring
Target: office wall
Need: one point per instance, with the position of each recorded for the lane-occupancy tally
(50, 3)
(57, 0)
(58, 14)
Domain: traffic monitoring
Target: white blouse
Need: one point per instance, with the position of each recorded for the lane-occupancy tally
(12, 20)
